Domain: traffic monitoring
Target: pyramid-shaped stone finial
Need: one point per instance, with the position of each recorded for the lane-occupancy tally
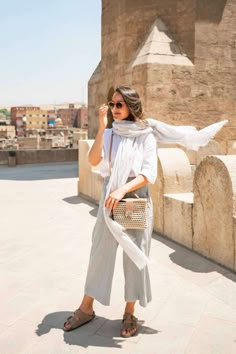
(160, 48)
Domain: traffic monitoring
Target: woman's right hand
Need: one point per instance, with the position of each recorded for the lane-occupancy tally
(103, 116)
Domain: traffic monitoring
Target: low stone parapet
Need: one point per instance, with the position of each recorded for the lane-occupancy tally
(200, 215)
(231, 147)
(4, 157)
(212, 148)
(90, 181)
(40, 156)
(174, 176)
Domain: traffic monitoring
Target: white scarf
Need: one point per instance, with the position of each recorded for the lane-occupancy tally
(186, 136)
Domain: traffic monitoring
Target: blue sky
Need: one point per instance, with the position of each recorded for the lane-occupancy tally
(48, 50)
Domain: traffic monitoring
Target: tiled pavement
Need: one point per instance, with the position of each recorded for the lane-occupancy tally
(45, 237)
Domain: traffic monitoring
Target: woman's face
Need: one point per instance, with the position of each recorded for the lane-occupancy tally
(121, 112)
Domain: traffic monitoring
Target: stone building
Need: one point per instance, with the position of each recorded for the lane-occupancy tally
(2, 116)
(68, 115)
(30, 118)
(179, 54)
(31, 143)
(21, 111)
(82, 118)
(7, 131)
(78, 134)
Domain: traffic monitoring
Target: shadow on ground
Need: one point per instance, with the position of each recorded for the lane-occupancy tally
(191, 260)
(91, 334)
(182, 256)
(76, 199)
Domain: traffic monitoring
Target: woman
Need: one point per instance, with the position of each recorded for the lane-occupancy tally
(130, 149)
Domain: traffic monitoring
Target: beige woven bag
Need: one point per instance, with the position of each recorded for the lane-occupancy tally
(131, 213)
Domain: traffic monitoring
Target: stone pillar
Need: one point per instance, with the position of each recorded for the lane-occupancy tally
(214, 191)
(174, 176)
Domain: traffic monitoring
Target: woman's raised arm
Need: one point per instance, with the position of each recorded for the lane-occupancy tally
(95, 153)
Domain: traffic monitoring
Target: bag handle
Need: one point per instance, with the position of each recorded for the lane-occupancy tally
(110, 151)
(136, 195)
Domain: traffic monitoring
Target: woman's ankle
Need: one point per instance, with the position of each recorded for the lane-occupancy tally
(87, 304)
(129, 308)
(88, 310)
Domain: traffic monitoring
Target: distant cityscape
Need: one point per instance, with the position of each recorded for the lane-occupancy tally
(43, 127)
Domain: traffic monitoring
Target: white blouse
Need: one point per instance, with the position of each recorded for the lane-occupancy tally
(145, 162)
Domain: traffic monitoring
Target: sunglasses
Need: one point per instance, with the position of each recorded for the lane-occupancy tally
(118, 105)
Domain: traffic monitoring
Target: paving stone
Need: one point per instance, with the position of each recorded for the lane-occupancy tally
(224, 288)
(184, 306)
(186, 263)
(15, 308)
(17, 337)
(43, 272)
(218, 309)
(213, 336)
(4, 328)
(52, 343)
(93, 343)
(169, 338)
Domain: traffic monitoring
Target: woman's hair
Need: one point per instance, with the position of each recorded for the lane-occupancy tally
(132, 99)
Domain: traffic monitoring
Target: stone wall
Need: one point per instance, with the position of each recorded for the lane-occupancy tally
(28, 142)
(4, 157)
(199, 214)
(40, 156)
(179, 54)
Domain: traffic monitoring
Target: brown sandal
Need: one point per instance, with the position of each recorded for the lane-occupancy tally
(78, 319)
(129, 323)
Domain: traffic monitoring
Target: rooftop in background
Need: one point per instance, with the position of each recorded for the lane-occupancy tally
(49, 106)
(61, 105)
(4, 121)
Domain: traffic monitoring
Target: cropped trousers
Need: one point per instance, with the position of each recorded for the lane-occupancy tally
(103, 255)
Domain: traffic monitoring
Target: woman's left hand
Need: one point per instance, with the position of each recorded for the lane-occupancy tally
(113, 199)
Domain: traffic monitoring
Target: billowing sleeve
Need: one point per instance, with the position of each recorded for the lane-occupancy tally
(149, 163)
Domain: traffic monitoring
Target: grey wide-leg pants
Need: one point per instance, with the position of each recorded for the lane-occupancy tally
(103, 254)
